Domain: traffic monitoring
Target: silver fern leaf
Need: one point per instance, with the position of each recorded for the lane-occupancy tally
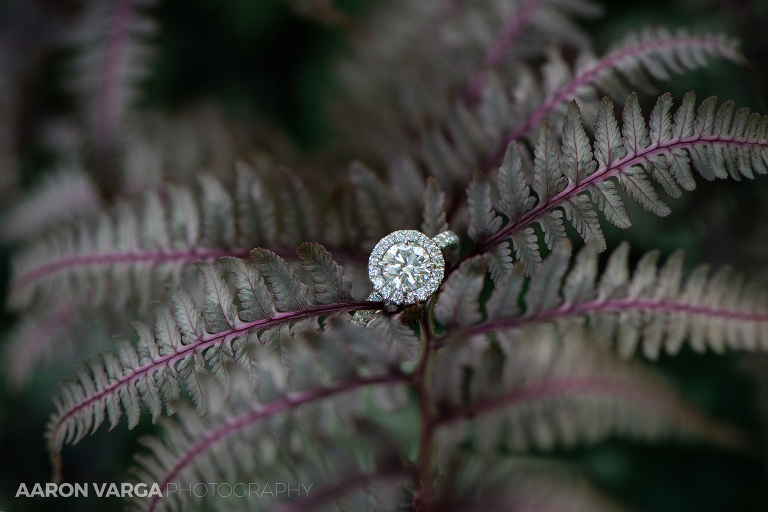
(718, 145)
(185, 337)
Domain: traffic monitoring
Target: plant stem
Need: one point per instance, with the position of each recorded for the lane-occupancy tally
(424, 497)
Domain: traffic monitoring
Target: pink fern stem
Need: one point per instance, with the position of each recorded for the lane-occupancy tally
(108, 99)
(590, 75)
(604, 172)
(498, 50)
(191, 254)
(119, 258)
(200, 345)
(264, 411)
(617, 306)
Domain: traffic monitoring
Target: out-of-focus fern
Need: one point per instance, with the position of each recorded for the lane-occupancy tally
(653, 54)
(163, 146)
(440, 49)
(58, 338)
(316, 406)
(517, 483)
(112, 44)
(64, 196)
(172, 230)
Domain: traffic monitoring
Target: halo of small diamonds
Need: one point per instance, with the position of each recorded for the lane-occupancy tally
(406, 267)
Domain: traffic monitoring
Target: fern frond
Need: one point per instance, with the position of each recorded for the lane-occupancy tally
(129, 250)
(654, 309)
(718, 145)
(113, 43)
(478, 138)
(185, 337)
(162, 146)
(654, 51)
(438, 50)
(544, 388)
(64, 195)
(317, 404)
(30, 341)
(513, 26)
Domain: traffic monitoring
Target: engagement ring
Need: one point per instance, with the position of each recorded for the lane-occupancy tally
(406, 267)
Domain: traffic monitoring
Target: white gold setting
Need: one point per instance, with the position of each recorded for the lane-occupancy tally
(406, 267)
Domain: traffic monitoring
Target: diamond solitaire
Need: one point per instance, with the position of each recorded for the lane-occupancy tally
(406, 267)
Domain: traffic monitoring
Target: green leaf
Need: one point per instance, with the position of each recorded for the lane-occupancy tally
(579, 285)
(167, 333)
(616, 274)
(527, 250)
(256, 219)
(551, 223)
(378, 214)
(606, 197)
(634, 183)
(500, 263)
(503, 303)
(298, 212)
(191, 370)
(661, 120)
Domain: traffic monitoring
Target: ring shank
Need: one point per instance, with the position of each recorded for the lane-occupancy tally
(446, 239)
